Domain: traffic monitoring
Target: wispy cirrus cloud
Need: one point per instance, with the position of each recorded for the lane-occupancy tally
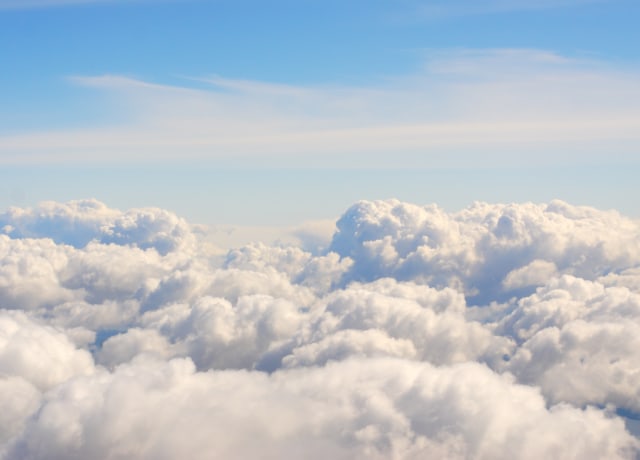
(443, 8)
(469, 106)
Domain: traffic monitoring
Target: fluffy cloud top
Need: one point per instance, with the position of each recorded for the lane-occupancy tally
(493, 332)
(352, 409)
(490, 252)
(78, 222)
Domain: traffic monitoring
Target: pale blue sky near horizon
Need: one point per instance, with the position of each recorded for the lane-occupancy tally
(274, 112)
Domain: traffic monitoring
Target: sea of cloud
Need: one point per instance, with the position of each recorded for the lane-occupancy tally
(496, 332)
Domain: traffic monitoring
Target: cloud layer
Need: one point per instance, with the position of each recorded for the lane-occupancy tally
(501, 330)
(497, 100)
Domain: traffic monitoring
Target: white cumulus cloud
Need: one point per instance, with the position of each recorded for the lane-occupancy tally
(499, 331)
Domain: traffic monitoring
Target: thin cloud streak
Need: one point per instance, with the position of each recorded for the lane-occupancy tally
(491, 102)
(441, 9)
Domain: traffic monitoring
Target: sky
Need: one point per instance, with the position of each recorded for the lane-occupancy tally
(303, 229)
(243, 112)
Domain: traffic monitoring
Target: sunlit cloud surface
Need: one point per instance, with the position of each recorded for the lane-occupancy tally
(499, 331)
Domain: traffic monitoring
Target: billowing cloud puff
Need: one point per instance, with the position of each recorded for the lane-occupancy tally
(493, 332)
(29, 273)
(218, 334)
(79, 222)
(38, 353)
(421, 321)
(320, 273)
(354, 409)
(19, 399)
(491, 252)
(579, 342)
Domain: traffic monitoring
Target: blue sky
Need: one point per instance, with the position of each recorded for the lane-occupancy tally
(273, 112)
